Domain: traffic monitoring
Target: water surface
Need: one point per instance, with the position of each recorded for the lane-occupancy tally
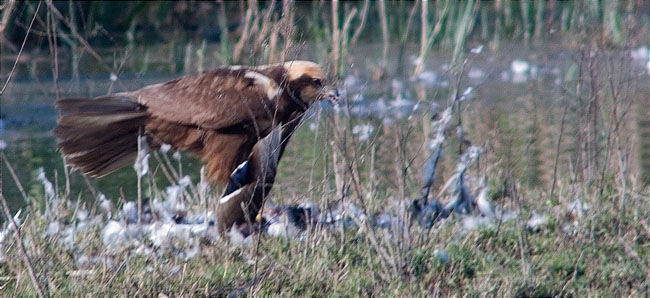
(526, 105)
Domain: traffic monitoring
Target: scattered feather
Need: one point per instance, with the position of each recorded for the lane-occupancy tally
(141, 164)
(363, 131)
(483, 204)
(536, 221)
(519, 66)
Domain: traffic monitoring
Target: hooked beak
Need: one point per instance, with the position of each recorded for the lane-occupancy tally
(332, 95)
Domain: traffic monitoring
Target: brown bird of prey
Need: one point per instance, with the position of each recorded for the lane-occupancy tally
(237, 119)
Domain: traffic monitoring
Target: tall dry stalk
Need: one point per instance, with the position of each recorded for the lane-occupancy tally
(41, 290)
(19, 185)
(336, 37)
(268, 24)
(187, 60)
(525, 8)
(405, 38)
(620, 87)
(239, 46)
(287, 28)
(427, 39)
(346, 159)
(5, 18)
(224, 43)
(588, 95)
(7, 8)
(345, 41)
(362, 23)
(383, 20)
(464, 26)
(424, 25)
(73, 30)
(558, 147)
(340, 40)
(347, 176)
(539, 6)
(139, 172)
(260, 36)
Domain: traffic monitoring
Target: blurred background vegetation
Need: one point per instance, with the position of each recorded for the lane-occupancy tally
(115, 23)
(247, 30)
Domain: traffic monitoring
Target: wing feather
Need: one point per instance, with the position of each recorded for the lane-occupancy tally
(215, 99)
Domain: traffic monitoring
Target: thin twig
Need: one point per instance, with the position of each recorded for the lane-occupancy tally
(53, 47)
(139, 174)
(163, 167)
(7, 7)
(362, 23)
(405, 37)
(384, 33)
(557, 150)
(13, 68)
(424, 51)
(14, 176)
(336, 39)
(74, 32)
(239, 46)
(346, 27)
(287, 21)
(266, 26)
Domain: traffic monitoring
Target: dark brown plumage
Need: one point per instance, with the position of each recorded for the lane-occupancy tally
(220, 115)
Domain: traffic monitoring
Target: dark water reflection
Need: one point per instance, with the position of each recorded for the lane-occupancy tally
(524, 106)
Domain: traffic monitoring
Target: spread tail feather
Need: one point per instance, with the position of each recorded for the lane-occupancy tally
(99, 136)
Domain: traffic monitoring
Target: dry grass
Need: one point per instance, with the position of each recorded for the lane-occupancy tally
(575, 256)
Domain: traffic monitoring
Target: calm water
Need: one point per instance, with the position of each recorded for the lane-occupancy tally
(526, 104)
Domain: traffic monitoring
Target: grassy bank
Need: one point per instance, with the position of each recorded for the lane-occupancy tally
(600, 250)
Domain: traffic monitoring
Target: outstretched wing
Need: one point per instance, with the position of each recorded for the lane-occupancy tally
(216, 99)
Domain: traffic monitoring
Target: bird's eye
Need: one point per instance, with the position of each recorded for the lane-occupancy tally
(317, 82)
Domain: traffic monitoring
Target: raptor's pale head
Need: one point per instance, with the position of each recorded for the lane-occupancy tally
(308, 82)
